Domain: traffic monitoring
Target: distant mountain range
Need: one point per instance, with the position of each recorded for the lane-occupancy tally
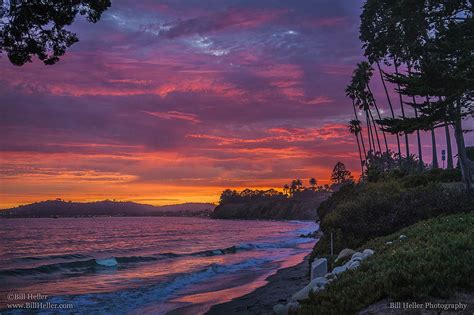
(61, 208)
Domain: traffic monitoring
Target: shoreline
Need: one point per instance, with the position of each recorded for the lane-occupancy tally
(278, 289)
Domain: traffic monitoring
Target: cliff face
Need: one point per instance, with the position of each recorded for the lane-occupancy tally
(286, 209)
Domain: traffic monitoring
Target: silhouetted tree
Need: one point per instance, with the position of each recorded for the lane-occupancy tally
(37, 27)
(313, 182)
(340, 175)
(351, 93)
(435, 38)
(355, 129)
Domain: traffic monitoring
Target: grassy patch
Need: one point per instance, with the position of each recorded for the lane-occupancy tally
(435, 261)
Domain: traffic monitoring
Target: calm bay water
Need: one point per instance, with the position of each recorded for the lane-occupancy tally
(143, 265)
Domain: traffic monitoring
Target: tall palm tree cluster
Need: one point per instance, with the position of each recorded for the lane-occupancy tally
(424, 49)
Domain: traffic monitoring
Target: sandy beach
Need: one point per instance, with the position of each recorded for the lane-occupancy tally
(279, 289)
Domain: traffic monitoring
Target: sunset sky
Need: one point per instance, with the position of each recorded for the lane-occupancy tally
(165, 102)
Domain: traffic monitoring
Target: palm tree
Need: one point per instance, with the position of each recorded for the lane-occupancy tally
(389, 103)
(363, 102)
(313, 183)
(350, 92)
(293, 187)
(355, 129)
(299, 184)
(366, 74)
(365, 99)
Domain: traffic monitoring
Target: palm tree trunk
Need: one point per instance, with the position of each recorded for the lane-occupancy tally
(375, 131)
(361, 134)
(379, 116)
(389, 104)
(369, 132)
(363, 146)
(407, 145)
(449, 149)
(360, 154)
(462, 154)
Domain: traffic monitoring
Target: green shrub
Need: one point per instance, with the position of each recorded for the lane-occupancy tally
(435, 261)
(432, 176)
(377, 209)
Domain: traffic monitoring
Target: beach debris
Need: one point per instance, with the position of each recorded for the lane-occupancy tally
(319, 268)
(346, 252)
(403, 237)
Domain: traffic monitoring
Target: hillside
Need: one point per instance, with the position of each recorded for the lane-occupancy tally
(61, 208)
(430, 261)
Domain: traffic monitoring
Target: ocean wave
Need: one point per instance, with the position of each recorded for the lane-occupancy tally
(131, 299)
(83, 264)
(51, 257)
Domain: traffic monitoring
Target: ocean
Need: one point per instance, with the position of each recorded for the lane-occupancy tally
(143, 265)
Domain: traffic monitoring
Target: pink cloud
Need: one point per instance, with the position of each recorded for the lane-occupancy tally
(175, 115)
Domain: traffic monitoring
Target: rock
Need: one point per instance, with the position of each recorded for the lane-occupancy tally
(346, 252)
(358, 255)
(340, 269)
(368, 252)
(329, 276)
(403, 237)
(389, 243)
(280, 309)
(354, 265)
(319, 268)
(318, 282)
(303, 293)
(293, 307)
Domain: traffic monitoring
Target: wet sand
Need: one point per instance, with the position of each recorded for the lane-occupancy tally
(280, 287)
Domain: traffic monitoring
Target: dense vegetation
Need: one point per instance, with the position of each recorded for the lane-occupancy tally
(269, 204)
(434, 262)
(360, 212)
(296, 202)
